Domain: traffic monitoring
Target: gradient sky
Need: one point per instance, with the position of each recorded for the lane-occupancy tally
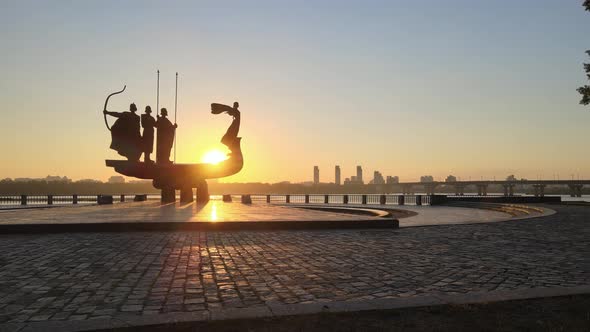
(472, 88)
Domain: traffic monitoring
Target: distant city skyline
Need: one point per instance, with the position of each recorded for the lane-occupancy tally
(378, 177)
(468, 88)
(388, 179)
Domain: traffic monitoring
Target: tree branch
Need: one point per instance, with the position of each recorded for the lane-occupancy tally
(585, 92)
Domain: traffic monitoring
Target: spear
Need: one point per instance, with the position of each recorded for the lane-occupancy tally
(175, 111)
(158, 95)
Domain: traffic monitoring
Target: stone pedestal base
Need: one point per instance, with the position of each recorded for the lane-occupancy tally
(203, 192)
(168, 195)
(186, 195)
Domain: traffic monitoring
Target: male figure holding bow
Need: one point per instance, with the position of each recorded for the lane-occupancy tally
(125, 135)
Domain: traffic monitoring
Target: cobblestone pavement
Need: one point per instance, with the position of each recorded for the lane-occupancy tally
(86, 275)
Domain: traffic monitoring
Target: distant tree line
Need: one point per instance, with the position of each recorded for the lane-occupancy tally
(42, 187)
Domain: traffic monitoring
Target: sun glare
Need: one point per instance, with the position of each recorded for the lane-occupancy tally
(214, 157)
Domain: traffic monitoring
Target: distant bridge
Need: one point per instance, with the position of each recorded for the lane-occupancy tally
(482, 186)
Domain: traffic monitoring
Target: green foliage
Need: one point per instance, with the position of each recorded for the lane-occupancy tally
(585, 90)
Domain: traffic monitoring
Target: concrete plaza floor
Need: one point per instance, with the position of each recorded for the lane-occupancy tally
(426, 215)
(213, 216)
(109, 277)
(218, 211)
(220, 216)
(153, 211)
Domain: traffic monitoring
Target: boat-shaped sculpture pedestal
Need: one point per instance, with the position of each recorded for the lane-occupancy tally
(184, 177)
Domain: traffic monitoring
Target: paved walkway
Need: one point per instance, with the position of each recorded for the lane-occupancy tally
(447, 215)
(426, 215)
(151, 211)
(101, 275)
(217, 211)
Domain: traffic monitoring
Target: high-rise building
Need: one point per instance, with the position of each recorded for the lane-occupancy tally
(427, 178)
(359, 174)
(378, 178)
(392, 179)
(337, 175)
(451, 178)
(316, 175)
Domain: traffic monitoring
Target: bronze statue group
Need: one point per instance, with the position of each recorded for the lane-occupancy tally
(130, 143)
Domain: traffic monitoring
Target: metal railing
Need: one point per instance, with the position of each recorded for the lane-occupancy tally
(19, 201)
(356, 199)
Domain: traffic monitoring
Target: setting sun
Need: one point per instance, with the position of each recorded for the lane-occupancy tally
(214, 157)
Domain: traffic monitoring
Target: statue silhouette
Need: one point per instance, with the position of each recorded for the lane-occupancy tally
(231, 139)
(125, 135)
(148, 123)
(168, 177)
(165, 138)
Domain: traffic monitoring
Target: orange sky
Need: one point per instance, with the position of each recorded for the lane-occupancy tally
(404, 90)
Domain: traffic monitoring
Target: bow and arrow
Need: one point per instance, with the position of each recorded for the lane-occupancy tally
(106, 102)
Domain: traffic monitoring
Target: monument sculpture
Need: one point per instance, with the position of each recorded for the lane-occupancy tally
(148, 123)
(166, 132)
(125, 136)
(166, 175)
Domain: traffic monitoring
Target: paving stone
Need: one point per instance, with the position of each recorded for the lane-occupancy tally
(198, 300)
(39, 318)
(61, 315)
(150, 312)
(195, 307)
(85, 310)
(131, 308)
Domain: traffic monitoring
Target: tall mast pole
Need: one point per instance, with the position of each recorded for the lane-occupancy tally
(158, 95)
(175, 111)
